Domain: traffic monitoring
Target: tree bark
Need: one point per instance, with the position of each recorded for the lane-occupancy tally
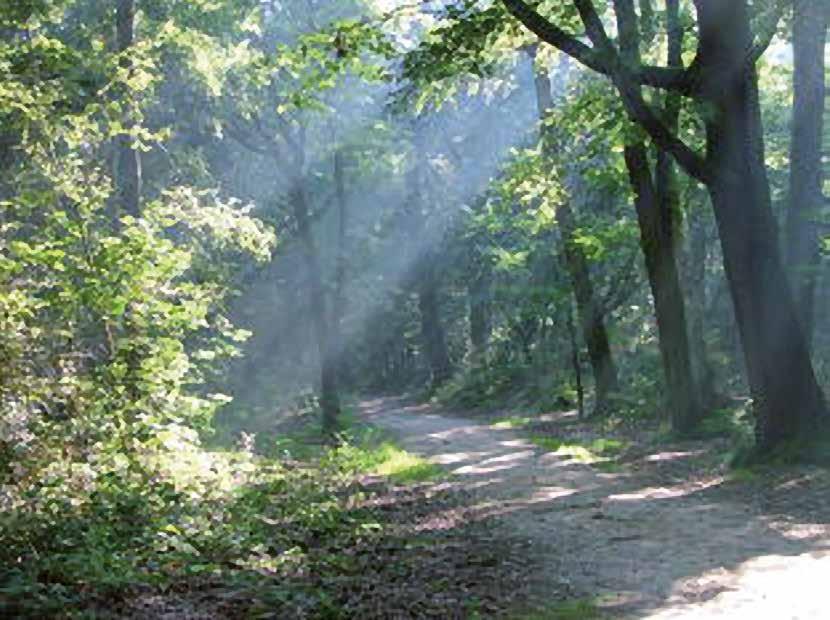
(788, 403)
(657, 206)
(128, 159)
(329, 394)
(589, 310)
(806, 196)
(658, 243)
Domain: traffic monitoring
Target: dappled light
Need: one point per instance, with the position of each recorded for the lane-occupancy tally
(389, 309)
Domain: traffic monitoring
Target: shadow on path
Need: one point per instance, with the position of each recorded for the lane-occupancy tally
(649, 547)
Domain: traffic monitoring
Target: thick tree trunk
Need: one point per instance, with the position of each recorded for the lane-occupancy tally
(329, 395)
(806, 197)
(128, 159)
(589, 310)
(658, 243)
(788, 402)
(432, 331)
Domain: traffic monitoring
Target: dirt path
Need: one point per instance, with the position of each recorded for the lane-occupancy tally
(646, 545)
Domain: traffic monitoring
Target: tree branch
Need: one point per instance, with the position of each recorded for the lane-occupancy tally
(667, 78)
(627, 81)
(593, 27)
(629, 31)
(637, 108)
(555, 36)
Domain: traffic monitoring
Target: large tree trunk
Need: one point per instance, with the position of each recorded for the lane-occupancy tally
(788, 402)
(329, 395)
(128, 159)
(589, 310)
(806, 197)
(657, 240)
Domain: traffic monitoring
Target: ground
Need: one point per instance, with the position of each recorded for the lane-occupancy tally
(668, 533)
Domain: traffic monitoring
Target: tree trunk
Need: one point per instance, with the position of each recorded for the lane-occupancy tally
(329, 396)
(478, 293)
(697, 303)
(788, 402)
(339, 304)
(432, 332)
(806, 196)
(576, 364)
(425, 276)
(589, 309)
(657, 240)
(128, 159)
(658, 207)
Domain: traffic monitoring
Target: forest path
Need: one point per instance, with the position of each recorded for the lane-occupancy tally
(648, 546)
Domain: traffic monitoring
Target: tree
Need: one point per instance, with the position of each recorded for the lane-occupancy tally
(722, 79)
(806, 195)
(658, 211)
(425, 274)
(128, 159)
(589, 306)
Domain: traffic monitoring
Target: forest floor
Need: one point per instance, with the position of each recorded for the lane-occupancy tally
(660, 531)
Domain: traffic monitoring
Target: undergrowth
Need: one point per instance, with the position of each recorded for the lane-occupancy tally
(262, 533)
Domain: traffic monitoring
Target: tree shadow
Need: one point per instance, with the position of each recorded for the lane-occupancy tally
(666, 534)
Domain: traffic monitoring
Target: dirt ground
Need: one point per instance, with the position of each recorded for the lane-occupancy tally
(666, 536)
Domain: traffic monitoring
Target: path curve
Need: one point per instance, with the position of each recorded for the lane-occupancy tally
(647, 551)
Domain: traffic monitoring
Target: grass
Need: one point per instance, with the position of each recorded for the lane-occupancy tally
(511, 422)
(581, 609)
(600, 452)
(384, 459)
(743, 475)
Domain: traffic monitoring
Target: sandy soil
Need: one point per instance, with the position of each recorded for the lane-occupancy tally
(649, 543)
